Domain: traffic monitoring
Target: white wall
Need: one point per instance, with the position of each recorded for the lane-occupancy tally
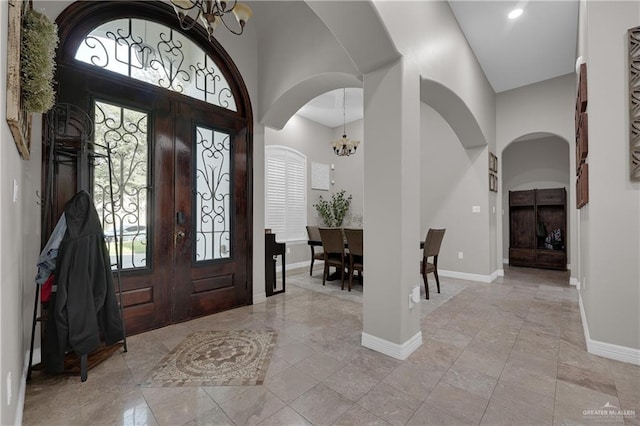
(428, 32)
(296, 48)
(453, 179)
(610, 223)
(313, 140)
(533, 164)
(545, 107)
(19, 227)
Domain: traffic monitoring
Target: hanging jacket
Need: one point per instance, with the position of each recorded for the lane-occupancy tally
(49, 254)
(84, 307)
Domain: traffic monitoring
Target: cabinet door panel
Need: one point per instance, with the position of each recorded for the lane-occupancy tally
(550, 196)
(521, 198)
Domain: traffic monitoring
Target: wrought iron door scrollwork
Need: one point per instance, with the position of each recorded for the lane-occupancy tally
(158, 55)
(212, 194)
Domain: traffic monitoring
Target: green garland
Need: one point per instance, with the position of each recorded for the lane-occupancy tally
(37, 60)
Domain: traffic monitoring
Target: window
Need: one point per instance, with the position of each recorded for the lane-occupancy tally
(286, 193)
(156, 54)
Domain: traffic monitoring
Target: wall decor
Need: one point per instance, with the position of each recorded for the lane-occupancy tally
(582, 139)
(634, 101)
(320, 176)
(18, 119)
(493, 182)
(493, 163)
(582, 186)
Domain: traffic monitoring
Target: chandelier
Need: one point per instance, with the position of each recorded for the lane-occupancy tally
(211, 13)
(345, 146)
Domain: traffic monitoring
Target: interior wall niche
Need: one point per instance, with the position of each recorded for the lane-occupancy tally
(634, 101)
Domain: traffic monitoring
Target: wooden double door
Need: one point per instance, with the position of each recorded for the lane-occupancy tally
(181, 211)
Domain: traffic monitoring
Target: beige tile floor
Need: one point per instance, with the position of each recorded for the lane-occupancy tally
(510, 352)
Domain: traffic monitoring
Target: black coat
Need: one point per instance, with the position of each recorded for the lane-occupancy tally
(84, 310)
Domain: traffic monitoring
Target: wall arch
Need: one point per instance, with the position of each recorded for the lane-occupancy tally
(287, 104)
(534, 160)
(454, 110)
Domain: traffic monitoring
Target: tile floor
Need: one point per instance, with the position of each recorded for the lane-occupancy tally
(511, 352)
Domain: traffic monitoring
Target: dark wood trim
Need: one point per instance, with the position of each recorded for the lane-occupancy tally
(81, 17)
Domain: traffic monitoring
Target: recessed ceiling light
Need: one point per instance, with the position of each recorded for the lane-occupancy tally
(515, 13)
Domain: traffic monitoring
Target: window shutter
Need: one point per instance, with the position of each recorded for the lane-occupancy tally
(285, 193)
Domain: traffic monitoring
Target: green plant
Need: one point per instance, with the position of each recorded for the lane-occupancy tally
(37, 61)
(334, 211)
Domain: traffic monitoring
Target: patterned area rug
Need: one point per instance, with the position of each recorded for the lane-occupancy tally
(216, 358)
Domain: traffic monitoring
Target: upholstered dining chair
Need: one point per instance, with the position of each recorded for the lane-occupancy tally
(314, 235)
(431, 249)
(356, 252)
(334, 255)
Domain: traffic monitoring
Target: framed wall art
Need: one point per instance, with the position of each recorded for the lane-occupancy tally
(493, 163)
(493, 182)
(634, 102)
(320, 176)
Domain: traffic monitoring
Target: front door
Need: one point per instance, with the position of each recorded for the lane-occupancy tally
(179, 214)
(210, 230)
(174, 195)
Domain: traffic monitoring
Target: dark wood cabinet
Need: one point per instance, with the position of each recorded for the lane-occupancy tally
(537, 228)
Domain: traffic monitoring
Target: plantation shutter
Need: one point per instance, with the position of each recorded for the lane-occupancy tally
(285, 193)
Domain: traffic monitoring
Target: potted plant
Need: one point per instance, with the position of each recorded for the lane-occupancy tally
(335, 210)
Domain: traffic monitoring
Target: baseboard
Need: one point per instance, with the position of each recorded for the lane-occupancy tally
(468, 276)
(505, 261)
(259, 298)
(574, 282)
(607, 350)
(500, 272)
(305, 265)
(391, 349)
(23, 389)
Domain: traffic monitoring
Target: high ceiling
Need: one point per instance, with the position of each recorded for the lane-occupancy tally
(539, 45)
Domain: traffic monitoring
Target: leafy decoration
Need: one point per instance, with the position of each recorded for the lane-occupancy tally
(334, 211)
(37, 60)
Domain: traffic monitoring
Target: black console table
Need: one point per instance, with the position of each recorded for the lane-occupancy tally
(271, 250)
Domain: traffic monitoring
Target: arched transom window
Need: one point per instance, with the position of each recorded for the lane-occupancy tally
(158, 55)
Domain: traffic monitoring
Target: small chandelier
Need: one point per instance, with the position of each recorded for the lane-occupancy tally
(211, 13)
(344, 147)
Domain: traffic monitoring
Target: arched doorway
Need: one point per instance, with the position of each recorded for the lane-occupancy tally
(176, 114)
(534, 161)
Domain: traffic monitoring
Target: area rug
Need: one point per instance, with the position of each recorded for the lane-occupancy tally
(216, 358)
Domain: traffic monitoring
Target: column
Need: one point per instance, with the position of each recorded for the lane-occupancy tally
(392, 208)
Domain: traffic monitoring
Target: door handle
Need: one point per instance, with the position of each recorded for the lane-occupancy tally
(178, 235)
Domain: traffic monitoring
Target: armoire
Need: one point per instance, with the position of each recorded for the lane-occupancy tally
(537, 228)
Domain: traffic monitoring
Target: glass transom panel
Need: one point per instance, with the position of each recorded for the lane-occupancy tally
(158, 55)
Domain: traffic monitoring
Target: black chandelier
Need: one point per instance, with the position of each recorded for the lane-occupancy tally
(211, 13)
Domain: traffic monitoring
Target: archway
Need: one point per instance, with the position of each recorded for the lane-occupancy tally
(174, 112)
(534, 161)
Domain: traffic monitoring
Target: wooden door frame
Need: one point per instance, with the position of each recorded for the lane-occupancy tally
(79, 18)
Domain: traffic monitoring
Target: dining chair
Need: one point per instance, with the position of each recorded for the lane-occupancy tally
(431, 249)
(314, 235)
(334, 255)
(356, 252)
